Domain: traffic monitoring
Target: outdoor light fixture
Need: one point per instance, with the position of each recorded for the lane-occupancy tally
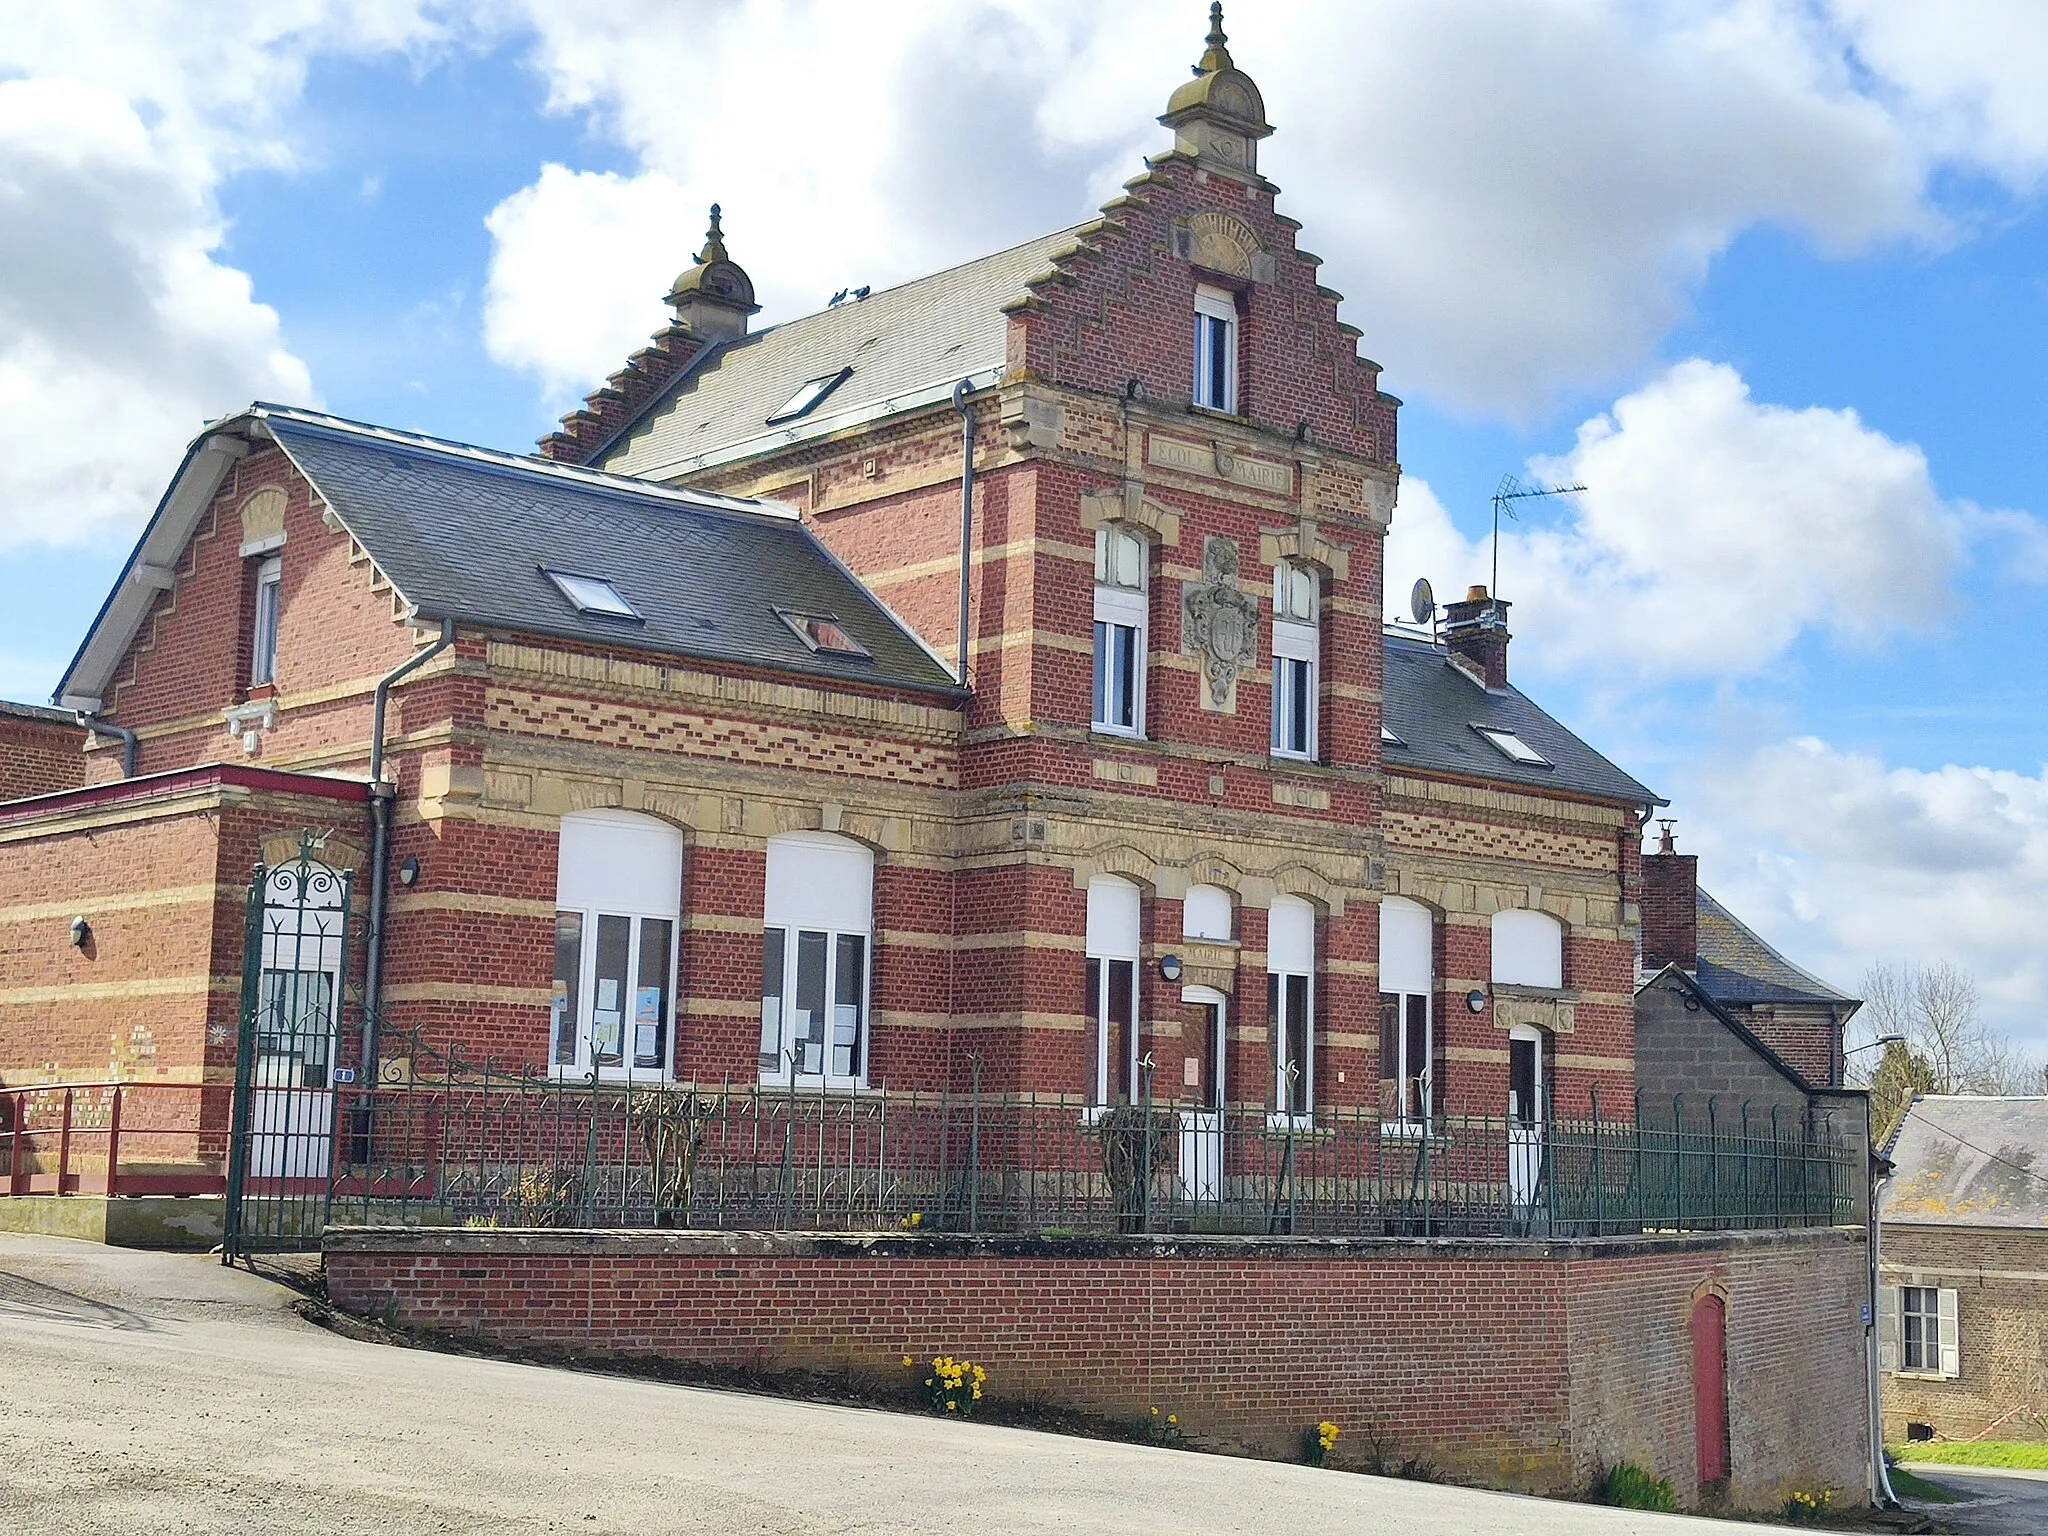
(81, 933)
(1476, 1000)
(1169, 967)
(409, 871)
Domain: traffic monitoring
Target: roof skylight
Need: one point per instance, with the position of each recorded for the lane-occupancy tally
(806, 399)
(1512, 747)
(591, 594)
(1389, 737)
(823, 633)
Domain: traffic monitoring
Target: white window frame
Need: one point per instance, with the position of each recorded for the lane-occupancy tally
(1297, 652)
(269, 609)
(817, 886)
(1119, 604)
(1408, 983)
(1522, 954)
(1939, 1356)
(625, 867)
(1290, 957)
(1113, 943)
(1216, 307)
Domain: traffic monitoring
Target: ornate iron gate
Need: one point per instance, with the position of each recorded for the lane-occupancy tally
(281, 1153)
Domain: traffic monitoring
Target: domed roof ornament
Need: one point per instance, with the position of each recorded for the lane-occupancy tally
(714, 297)
(1219, 117)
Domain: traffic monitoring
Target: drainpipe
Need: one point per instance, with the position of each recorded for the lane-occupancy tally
(1880, 1477)
(382, 796)
(966, 411)
(129, 745)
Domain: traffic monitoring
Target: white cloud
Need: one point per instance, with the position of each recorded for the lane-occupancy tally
(1715, 530)
(1845, 861)
(121, 329)
(1519, 199)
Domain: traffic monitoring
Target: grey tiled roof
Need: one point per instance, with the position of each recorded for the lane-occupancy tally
(1980, 1162)
(1736, 966)
(1433, 706)
(904, 345)
(463, 533)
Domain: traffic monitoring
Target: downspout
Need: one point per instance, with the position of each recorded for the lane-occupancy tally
(966, 411)
(129, 745)
(1880, 1476)
(382, 796)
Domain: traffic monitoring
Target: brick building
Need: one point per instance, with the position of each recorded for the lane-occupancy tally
(976, 684)
(1963, 1320)
(41, 750)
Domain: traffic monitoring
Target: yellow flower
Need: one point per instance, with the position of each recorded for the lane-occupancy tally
(907, 1362)
(1171, 1418)
(1155, 1413)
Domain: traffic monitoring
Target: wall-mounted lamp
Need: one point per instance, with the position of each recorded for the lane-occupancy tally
(1169, 967)
(409, 871)
(1476, 1000)
(81, 933)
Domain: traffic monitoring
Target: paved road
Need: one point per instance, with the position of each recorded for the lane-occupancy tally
(160, 1393)
(1992, 1501)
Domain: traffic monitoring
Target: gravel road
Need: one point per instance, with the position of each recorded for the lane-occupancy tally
(161, 1393)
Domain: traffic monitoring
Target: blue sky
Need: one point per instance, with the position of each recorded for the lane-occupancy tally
(1785, 258)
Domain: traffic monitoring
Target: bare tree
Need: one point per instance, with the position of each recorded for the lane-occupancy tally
(1944, 1046)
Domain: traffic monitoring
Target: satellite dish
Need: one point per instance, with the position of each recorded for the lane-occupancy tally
(1422, 601)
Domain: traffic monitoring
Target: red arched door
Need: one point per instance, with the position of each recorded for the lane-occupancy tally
(1710, 1391)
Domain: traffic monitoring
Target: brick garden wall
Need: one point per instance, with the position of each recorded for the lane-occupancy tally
(2001, 1284)
(1521, 1365)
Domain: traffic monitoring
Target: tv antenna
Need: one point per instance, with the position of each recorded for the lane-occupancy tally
(1505, 495)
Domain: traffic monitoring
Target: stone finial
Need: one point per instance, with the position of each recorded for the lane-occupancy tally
(713, 298)
(1219, 117)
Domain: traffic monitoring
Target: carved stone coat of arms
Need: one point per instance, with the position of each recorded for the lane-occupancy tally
(1221, 624)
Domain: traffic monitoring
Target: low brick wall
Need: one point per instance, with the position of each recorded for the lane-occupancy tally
(1522, 1365)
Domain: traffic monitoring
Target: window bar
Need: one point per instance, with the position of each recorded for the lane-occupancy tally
(974, 1147)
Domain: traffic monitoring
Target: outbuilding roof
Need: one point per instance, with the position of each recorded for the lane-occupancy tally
(483, 538)
(898, 349)
(1737, 966)
(1966, 1160)
(1439, 715)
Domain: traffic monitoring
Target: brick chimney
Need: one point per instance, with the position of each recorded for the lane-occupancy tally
(1477, 631)
(1671, 912)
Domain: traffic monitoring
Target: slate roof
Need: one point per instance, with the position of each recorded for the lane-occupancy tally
(1433, 706)
(1970, 1161)
(907, 346)
(463, 533)
(1737, 966)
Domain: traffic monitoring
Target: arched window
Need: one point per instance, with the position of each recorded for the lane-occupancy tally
(1121, 622)
(1112, 1002)
(618, 902)
(1407, 1028)
(1290, 1002)
(1297, 648)
(817, 925)
(1205, 914)
(1528, 948)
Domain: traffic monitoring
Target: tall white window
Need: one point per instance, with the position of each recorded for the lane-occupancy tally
(1918, 1330)
(1407, 945)
(1216, 348)
(1528, 948)
(1297, 643)
(263, 638)
(1112, 1001)
(817, 929)
(618, 903)
(1290, 1003)
(1120, 625)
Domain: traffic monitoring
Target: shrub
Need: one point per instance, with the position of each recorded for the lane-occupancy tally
(1628, 1486)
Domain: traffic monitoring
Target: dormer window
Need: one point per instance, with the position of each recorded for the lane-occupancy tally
(1215, 348)
(263, 646)
(1120, 631)
(1297, 647)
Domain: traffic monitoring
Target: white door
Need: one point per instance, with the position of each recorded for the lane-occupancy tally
(1201, 1124)
(291, 1101)
(1526, 1111)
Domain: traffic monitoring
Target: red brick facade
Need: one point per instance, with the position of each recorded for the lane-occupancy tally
(42, 751)
(1564, 1360)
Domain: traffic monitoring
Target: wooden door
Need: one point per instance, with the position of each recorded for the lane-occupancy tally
(1710, 1392)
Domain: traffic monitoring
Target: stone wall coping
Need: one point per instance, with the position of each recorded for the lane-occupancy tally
(178, 781)
(538, 1242)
